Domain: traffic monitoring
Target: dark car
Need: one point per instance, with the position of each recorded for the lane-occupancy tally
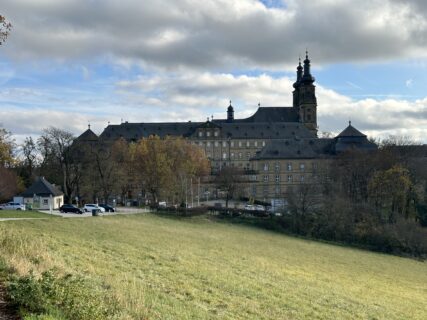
(70, 208)
(107, 208)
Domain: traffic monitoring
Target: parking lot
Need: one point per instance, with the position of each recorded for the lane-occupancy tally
(119, 210)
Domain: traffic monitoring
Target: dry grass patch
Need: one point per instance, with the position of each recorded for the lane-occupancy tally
(194, 268)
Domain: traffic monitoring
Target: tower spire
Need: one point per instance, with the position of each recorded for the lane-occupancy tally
(307, 77)
(299, 73)
(230, 113)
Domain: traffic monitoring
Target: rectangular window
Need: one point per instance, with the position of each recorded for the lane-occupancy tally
(302, 166)
(265, 178)
(240, 155)
(224, 155)
(277, 167)
(208, 134)
(277, 189)
(216, 143)
(200, 134)
(289, 178)
(302, 178)
(256, 143)
(208, 144)
(266, 190)
(232, 143)
(248, 155)
(265, 166)
(248, 144)
(201, 143)
(263, 143)
(216, 133)
(45, 201)
(289, 166)
(224, 144)
(232, 155)
(277, 178)
(240, 144)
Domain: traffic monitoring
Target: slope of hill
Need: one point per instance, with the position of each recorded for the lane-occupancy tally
(165, 268)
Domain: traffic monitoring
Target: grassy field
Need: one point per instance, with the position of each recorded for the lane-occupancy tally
(22, 214)
(194, 268)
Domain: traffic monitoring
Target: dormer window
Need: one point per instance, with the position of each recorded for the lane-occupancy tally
(200, 133)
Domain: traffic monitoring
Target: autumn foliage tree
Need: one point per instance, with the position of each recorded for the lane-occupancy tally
(390, 193)
(10, 183)
(164, 167)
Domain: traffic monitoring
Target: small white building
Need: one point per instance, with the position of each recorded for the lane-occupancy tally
(43, 195)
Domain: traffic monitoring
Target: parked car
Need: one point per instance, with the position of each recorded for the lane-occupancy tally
(89, 207)
(12, 206)
(70, 208)
(107, 208)
(249, 207)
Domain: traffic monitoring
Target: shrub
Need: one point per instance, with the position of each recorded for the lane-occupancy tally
(69, 297)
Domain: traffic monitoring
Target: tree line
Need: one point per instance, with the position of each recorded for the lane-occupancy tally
(90, 171)
(374, 199)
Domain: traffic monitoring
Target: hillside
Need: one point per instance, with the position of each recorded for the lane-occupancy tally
(165, 268)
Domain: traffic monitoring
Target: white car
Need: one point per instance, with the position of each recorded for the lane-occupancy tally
(12, 206)
(89, 207)
(249, 207)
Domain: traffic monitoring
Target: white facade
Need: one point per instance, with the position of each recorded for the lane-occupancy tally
(44, 203)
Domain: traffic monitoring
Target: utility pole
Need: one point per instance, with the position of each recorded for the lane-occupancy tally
(191, 185)
(198, 194)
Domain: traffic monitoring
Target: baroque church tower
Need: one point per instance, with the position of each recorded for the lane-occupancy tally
(304, 96)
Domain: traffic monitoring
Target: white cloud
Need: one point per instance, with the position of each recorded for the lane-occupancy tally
(215, 33)
(195, 96)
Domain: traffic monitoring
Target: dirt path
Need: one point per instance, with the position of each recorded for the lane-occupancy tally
(6, 312)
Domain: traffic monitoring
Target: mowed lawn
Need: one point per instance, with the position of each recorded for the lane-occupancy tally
(194, 268)
(22, 214)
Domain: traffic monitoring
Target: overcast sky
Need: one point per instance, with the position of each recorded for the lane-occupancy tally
(70, 62)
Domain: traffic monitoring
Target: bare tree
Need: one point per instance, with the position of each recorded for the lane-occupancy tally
(5, 28)
(29, 158)
(55, 148)
(229, 180)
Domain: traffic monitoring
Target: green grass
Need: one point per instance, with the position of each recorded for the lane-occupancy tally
(194, 268)
(23, 214)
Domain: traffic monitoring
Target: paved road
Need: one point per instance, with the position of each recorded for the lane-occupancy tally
(121, 210)
(7, 219)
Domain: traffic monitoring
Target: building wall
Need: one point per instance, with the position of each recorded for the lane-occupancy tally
(43, 203)
(229, 152)
(274, 179)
